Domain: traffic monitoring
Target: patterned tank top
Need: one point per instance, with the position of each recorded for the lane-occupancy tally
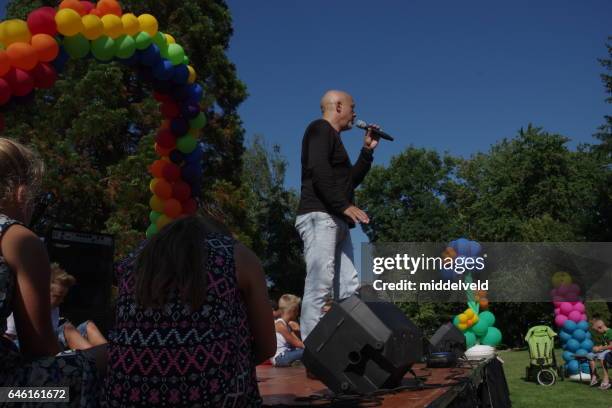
(175, 356)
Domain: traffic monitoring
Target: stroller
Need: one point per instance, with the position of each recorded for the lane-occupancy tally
(543, 367)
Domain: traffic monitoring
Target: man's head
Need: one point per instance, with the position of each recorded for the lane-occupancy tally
(599, 326)
(337, 108)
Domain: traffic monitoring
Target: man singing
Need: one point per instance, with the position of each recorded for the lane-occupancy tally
(327, 211)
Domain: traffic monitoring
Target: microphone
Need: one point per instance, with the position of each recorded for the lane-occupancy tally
(362, 125)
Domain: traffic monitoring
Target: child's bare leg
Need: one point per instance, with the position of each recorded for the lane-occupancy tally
(94, 336)
(74, 340)
(606, 378)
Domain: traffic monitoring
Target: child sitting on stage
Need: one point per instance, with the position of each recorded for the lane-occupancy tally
(289, 347)
(600, 352)
(84, 336)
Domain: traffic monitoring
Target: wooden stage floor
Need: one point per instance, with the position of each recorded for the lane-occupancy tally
(282, 387)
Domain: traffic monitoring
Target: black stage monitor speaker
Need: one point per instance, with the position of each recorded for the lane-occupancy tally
(360, 347)
(448, 338)
(89, 258)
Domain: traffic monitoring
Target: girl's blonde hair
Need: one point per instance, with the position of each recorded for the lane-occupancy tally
(288, 302)
(60, 277)
(19, 166)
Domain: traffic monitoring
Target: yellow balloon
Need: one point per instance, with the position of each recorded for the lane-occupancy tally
(170, 39)
(463, 318)
(131, 25)
(113, 26)
(92, 27)
(152, 184)
(475, 318)
(192, 74)
(462, 326)
(68, 22)
(469, 313)
(157, 204)
(148, 24)
(162, 221)
(14, 31)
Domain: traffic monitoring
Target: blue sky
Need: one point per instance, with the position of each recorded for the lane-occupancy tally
(447, 75)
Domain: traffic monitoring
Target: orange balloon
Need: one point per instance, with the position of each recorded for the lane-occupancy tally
(484, 303)
(172, 208)
(96, 12)
(156, 203)
(109, 7)
(163, 189)
(162, 151)
(22, 55)
(157, 168)
(46, 47)
(76, 5)
(165, 125)
(5, 63)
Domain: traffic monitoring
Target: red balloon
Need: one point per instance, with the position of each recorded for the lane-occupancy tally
(172, 208)
(161, 97)
(169, 109)
(20, 81)
(44, 76)
(157, 168)
(165, 139)
(190, 207)
(109, 7)
(88, 6)
(5, 91)
(171, 172)
(181, 191)
(42, 21)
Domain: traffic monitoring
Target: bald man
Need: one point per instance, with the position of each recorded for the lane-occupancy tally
(327, 210)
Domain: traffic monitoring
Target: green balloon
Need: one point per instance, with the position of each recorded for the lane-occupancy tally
(126, 46)
(153, 216)
(143, 40)
(160, 40)
(176, 54)
(493, 337)
(152, 230)
(186, 144)
(103, 48)
(76, 46)
(198, 122)
(470, 338)
(488, 317)
(480, 328)
(186, 60)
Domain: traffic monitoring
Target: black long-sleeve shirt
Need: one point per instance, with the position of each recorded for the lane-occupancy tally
(328, 177)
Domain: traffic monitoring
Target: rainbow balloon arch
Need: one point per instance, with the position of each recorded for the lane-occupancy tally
(34, 52)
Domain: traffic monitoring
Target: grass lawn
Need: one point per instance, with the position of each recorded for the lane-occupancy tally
(564, 394)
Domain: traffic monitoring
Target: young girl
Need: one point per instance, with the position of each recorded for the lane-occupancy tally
(289, 347)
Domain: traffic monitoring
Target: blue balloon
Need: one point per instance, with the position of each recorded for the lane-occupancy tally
(181, 74)
(475, 248)
(190, 110)
(588, 335)
(584, 367)
(60, 61)
(569, 326)
(181, 92)
(572, 345)
(163, 70)
(572, 367)
(581, 352)
(568, 356)
(447, 274)
(164, 87)
(150, 55)
(131, 61)
(191, 172)
(564, 336)
(196, 155)
(196, 92)
(587, 345)
(583, 325)
(579, 334)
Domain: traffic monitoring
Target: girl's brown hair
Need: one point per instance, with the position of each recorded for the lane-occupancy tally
(174, 261)
(19, 166)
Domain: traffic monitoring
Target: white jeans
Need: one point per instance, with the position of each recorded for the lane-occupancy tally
(328, 252)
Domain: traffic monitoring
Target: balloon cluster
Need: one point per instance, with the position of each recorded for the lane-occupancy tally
(32, 53)
(478, 328)
(571, 318)
(459, 248)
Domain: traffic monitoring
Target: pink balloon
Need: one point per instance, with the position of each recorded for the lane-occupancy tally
(579, 307)
(557, 311)
(575, 316)
(560, 319)
(583, 317)
(566, 308)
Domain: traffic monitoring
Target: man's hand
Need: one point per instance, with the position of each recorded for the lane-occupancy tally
(371, 140)
(357, 215)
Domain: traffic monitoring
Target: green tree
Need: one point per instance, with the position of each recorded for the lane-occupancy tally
(95, 128)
